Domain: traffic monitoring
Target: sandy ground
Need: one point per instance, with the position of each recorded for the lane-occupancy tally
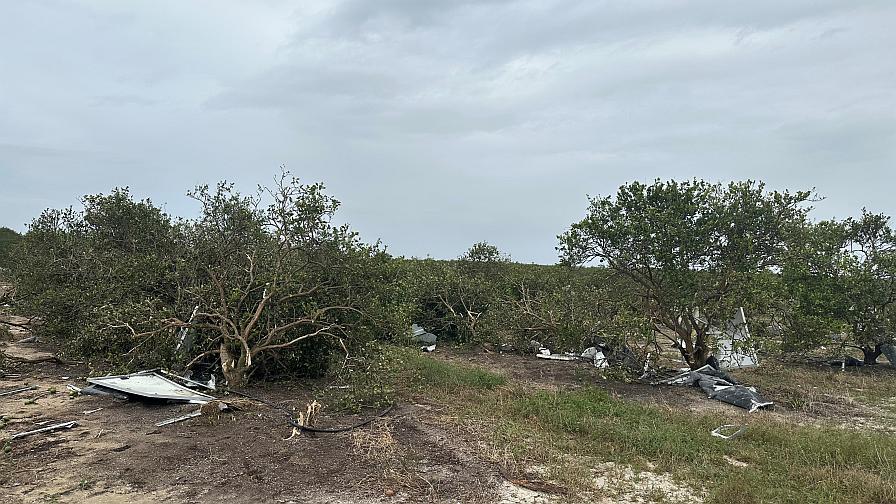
(116, 454)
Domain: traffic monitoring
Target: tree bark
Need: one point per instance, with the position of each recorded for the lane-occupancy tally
(870, 354)
(234, 370)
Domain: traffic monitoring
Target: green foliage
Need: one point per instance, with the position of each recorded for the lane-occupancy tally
(378, 374)
(841, 278)
(87, 273)
(454, 298)
(484, 252)
(8, 239)
(568, 309)
(276, 288)
(693, 249)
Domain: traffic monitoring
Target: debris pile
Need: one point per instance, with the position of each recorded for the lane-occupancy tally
(720, 386)
(146, 385)
(601, 356)
(428, 339)
(733, 348)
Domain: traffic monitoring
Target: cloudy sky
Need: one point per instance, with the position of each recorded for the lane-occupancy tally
(440, 123)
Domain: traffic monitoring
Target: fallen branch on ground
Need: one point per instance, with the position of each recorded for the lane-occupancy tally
(46, 358)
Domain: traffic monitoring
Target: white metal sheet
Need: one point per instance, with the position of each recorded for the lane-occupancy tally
(151, 385)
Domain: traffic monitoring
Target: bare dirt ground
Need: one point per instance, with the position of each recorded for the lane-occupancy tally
(116, 453)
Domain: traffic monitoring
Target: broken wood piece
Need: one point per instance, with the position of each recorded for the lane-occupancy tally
(557, 357)
(16, 391)
(179, 419)
(52, 428)
(44, 358)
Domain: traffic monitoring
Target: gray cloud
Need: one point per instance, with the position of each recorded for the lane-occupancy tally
(442, 123)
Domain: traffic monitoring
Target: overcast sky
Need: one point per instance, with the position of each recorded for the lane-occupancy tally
(438, 123)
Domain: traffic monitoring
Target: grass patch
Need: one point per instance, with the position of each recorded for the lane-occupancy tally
(389, 371)
(786, 464)
(814, 389)
(567, 430)
(570, 432)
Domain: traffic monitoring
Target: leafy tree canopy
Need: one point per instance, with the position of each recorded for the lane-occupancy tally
(694, 249)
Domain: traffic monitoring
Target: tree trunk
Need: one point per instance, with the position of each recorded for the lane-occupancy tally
(694, 349)
(701, 351)
(235, 371)
(871, 354)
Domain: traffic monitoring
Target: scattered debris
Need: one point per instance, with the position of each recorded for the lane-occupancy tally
(596, 356)
(721, 386)
(150, 385)
(210, 385)
(29, 339)
(98, 390)
(544, 353)
(16, 391)
(846, 362)
(593, 354)
(729, 432)
(184, 340)
(179, 419)
(305, 419)
(733, 349)
(90, 412)
(889, 352)
(422, 336)
(52, 428)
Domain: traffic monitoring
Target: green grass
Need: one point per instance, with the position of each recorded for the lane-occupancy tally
(421, 371)
(564, 430)
(387, 370)
(814, 389)
(786, 463)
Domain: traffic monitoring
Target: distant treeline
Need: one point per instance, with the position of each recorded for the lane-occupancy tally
(264, 285)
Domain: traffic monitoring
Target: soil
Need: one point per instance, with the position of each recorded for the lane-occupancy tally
(250, 455)
(116, 453)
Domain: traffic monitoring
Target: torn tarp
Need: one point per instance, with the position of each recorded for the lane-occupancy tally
(428, 339)
(720, 386)
(422, 336)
